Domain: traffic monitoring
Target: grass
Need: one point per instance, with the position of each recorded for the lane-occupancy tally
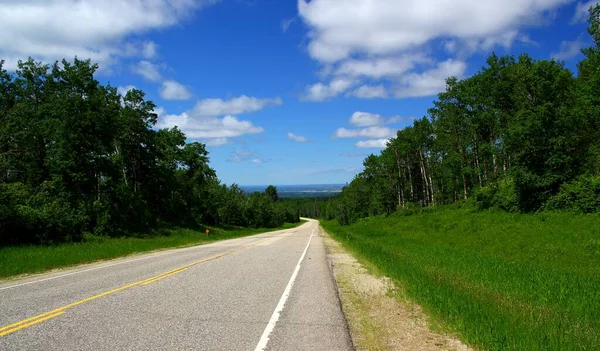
(500, 281)
(16, 260)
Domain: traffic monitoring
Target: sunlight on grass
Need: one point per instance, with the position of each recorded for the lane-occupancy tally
(501, 281)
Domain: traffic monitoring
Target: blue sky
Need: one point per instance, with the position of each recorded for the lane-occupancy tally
(290, 92)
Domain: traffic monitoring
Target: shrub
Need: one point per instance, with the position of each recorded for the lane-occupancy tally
(581, 196)
(501, 195)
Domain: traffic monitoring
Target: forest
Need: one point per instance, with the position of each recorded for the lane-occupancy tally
(521, 135)
(76, 157)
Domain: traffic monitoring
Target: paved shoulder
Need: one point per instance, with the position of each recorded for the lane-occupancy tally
(313, 317)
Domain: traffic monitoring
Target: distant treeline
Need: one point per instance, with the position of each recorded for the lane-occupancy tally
(76, 157)
(520, 135)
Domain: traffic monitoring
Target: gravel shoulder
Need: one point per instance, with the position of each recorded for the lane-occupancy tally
(378, 315)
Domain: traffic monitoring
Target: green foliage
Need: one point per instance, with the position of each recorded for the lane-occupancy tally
(77, 157)
(581, 196)
(501, 281)
(508, 138)
(501, 195)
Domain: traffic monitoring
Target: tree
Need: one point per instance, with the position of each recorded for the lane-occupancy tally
(271, 192)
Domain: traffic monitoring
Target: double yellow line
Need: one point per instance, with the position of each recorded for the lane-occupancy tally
(11, 328)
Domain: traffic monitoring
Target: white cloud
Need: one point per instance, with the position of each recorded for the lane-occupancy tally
(148, 70)
(244, 156)
(216, 142)
(341, 29)
(321, 92)
(369, 132)
(100, 30)
(160, 111)
(196, 127)
(297, 138)
(149, 49)
(431, 81)
(568, 49)
(381, 67)
(124, 89)
(369, 92)
(582, 10)
(387, 47)
(234, 106)
(172, 90)
(378, 143)
(205, 120)
(365, 119)
(286, 23)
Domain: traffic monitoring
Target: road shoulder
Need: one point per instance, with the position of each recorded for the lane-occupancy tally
(377, 315)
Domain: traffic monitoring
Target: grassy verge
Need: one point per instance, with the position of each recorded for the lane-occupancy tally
(500, 281)
(17, 260)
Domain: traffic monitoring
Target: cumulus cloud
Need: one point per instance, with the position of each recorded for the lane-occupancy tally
(340, 29)
(198, 128)
(297, 138)
(149, 49)
(148, 70)
(321, 92)
(172, 90)
(233, 106)
(210, 119)
(378, 143)
(245, 156)
(100, 30)
(124, 89)
(369, 92)
(430, 82)
(369, 132)
(582, 10)
(370, 43)
(568, 49)
(381, 67)
(216, 142)
(371, 127)
(365, 119)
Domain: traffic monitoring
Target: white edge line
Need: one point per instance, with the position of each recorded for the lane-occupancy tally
(264, 339)
(168, 252)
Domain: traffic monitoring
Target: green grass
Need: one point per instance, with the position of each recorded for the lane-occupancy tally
(500, 281)
(15, 260)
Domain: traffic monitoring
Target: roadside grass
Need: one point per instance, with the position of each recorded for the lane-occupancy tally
(501, 281)
(16, 260)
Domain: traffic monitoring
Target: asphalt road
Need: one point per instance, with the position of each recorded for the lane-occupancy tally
(272, 291)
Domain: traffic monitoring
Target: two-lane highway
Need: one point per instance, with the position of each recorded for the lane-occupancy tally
(272, 291)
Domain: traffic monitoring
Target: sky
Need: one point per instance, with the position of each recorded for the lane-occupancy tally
(289, 91)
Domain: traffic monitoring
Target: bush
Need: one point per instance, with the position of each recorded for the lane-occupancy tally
(501, 195)
(581, 196)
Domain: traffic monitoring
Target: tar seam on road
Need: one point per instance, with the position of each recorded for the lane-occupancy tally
(11, 328)
(264, 339)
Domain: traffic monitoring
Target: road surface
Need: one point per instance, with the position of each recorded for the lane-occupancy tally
(272, 291)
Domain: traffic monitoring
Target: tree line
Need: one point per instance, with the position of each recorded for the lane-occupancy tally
(76, 157)
(520, 135)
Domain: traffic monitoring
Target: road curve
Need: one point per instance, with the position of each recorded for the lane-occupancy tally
(272, 291)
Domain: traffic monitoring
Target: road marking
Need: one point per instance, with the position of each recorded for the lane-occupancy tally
(55, 312)
(11, 328)
(168, 252)
(20, 325)
(264, 339)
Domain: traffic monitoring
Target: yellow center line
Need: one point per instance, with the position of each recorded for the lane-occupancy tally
(22, 326)
(11, 328)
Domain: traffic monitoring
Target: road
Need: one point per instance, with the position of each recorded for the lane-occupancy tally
(272, 291)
